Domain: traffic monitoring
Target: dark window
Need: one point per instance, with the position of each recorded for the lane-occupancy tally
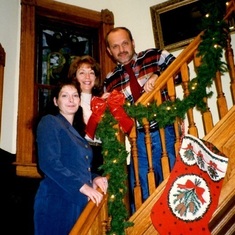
(57, 44)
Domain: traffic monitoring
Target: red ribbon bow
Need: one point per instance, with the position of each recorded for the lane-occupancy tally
(198, 190)
(115, 103)
(98, 106)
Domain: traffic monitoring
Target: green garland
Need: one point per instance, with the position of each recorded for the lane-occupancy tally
(114, 152)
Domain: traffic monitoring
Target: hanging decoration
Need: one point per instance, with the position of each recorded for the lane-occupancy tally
(114, 152)
(115, 104)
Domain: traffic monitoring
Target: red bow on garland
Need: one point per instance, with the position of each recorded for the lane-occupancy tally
(115, 103)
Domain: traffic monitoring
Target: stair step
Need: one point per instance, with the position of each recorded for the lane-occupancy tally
(223, 132)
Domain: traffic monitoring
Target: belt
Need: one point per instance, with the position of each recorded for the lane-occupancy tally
(151, 129)
(94, 143)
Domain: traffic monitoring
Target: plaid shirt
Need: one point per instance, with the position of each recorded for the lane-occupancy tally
(144, 64)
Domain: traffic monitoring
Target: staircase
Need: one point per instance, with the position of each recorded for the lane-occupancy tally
(223, 220)
(95, 220)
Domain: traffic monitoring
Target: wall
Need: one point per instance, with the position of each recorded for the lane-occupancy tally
(130, 13)
(133, 14)
(10, 40)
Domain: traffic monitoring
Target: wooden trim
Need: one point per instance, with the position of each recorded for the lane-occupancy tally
(2, 65)
(27, 106)
(25, 137)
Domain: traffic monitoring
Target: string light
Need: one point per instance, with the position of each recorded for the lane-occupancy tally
(112, 198)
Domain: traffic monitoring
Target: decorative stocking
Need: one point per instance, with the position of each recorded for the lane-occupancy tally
(192, 191)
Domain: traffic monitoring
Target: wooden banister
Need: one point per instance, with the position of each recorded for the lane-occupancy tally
(185, 57)
(134, 154)
(92, 215)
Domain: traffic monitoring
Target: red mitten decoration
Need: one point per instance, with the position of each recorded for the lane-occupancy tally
(98, 106)
(115, 102)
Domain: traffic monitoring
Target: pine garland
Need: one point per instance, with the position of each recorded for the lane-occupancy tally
(114, 152)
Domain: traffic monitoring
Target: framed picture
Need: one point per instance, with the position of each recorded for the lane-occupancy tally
(175, 23)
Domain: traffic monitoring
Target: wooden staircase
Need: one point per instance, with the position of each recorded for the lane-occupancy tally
(95, 220)
(223, 137)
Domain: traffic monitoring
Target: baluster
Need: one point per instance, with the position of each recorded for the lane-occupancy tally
(192, 129)
(108, 225)
(221, 100)
(206, 115)
(134, 154)
(122, 138)
(148, 142)
(230, 62)
(178, 134)
(172, 95)
(165, 158)
(207, 118)
(105, 218)
(171, 89)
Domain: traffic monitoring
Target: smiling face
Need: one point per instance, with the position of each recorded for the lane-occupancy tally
(121, 47)
(86, 77)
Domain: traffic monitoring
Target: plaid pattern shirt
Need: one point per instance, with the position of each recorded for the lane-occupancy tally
(144, 64)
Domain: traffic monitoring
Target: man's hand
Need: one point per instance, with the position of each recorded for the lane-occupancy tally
(149, 85)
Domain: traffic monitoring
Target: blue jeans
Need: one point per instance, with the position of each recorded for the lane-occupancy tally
(157, 154)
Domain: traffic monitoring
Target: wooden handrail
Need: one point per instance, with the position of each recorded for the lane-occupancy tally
(185, 56)
(90, 216)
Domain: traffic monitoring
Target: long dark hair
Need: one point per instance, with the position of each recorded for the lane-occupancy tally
(78, 122)
(50, 107)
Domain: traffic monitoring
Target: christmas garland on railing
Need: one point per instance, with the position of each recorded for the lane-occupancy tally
(114, 152)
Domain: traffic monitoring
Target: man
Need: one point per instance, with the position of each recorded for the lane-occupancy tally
(145, 66)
